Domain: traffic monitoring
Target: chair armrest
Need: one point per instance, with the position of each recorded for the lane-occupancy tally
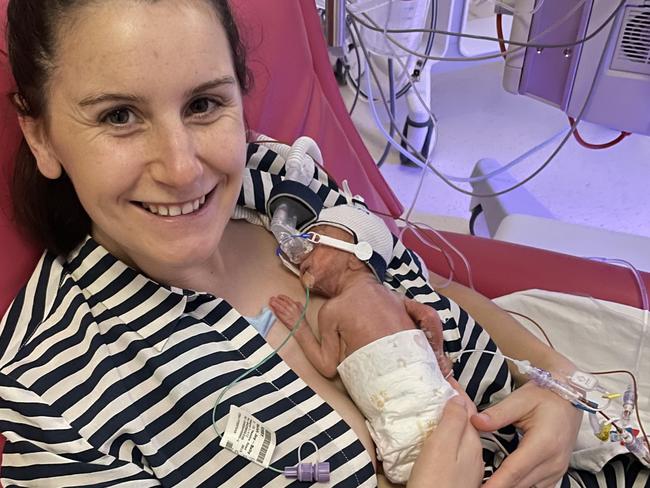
(499, 268)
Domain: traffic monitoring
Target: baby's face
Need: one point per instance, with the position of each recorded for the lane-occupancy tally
(323, 267)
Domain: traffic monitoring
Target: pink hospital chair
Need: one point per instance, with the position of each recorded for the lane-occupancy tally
(295, 94)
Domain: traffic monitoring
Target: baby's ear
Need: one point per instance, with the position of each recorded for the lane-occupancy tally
(354, 263)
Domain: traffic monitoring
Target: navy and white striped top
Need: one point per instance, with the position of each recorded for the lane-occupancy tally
(108, 378)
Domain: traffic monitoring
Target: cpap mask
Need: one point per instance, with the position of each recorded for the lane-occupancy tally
(292, 204)
(297, 247)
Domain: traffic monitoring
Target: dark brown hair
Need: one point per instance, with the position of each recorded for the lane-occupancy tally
(49, 210)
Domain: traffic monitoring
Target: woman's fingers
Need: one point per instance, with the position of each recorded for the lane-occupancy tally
(469, 404)
(451, 427)
(508, 411)
(451, 455)
(548, 482)
(511, 472)
(542, 456)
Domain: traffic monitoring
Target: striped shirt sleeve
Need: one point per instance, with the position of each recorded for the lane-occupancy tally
(30, 307)
(43, 450)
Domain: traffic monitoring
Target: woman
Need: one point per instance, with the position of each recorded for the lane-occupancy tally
(134, 129)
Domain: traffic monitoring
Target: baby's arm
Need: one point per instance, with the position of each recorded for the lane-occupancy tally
(322, 355)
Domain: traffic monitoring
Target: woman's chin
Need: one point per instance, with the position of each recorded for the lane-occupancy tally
(179, 253)
(192, 256)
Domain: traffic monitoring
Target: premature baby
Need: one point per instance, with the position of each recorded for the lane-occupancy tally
(368, 335)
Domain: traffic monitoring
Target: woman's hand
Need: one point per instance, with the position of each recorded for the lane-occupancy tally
(452, 454)
(550, 426)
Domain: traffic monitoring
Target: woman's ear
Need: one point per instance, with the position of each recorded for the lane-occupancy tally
(39, 143)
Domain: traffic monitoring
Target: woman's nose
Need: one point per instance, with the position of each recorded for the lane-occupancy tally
(177, 162)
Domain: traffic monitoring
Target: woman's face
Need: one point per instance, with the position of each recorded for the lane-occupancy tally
(145, 116)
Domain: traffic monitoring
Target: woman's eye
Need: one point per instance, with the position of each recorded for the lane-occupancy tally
(121, 116)
(201, 106)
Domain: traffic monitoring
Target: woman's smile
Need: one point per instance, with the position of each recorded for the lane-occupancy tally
(180, 209)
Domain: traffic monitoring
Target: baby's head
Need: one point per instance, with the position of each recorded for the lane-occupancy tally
(352, 224)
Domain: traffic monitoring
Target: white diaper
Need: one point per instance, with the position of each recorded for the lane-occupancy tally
(397, 384)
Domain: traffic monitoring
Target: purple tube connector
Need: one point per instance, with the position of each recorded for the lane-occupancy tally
(319, 472)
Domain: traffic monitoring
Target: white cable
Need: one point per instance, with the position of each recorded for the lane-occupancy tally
(645, 304)
(511, 164)
(416, 196)
(461, 179)
(424, 167)
(416, 158)
(543, 379)
(373, 26)
(423, 173)
(470, 281)
(405, 74)
(414, 87)
(574, 126)
(644, 334)
(433, 117)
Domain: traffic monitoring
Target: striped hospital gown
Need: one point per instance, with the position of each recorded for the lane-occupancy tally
(109, 379)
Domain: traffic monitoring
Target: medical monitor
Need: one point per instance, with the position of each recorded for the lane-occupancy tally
(616, 61)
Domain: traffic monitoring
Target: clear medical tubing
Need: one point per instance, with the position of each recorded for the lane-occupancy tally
(299, 167)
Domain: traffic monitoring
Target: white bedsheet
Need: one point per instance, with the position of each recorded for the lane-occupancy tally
(597, 336)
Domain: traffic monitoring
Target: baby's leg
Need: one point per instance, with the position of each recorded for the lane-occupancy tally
(287, 310)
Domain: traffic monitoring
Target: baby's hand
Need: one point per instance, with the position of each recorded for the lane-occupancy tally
(287, 310)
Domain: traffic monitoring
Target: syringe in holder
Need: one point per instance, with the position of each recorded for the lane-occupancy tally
(628, 406)
(544, 379)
